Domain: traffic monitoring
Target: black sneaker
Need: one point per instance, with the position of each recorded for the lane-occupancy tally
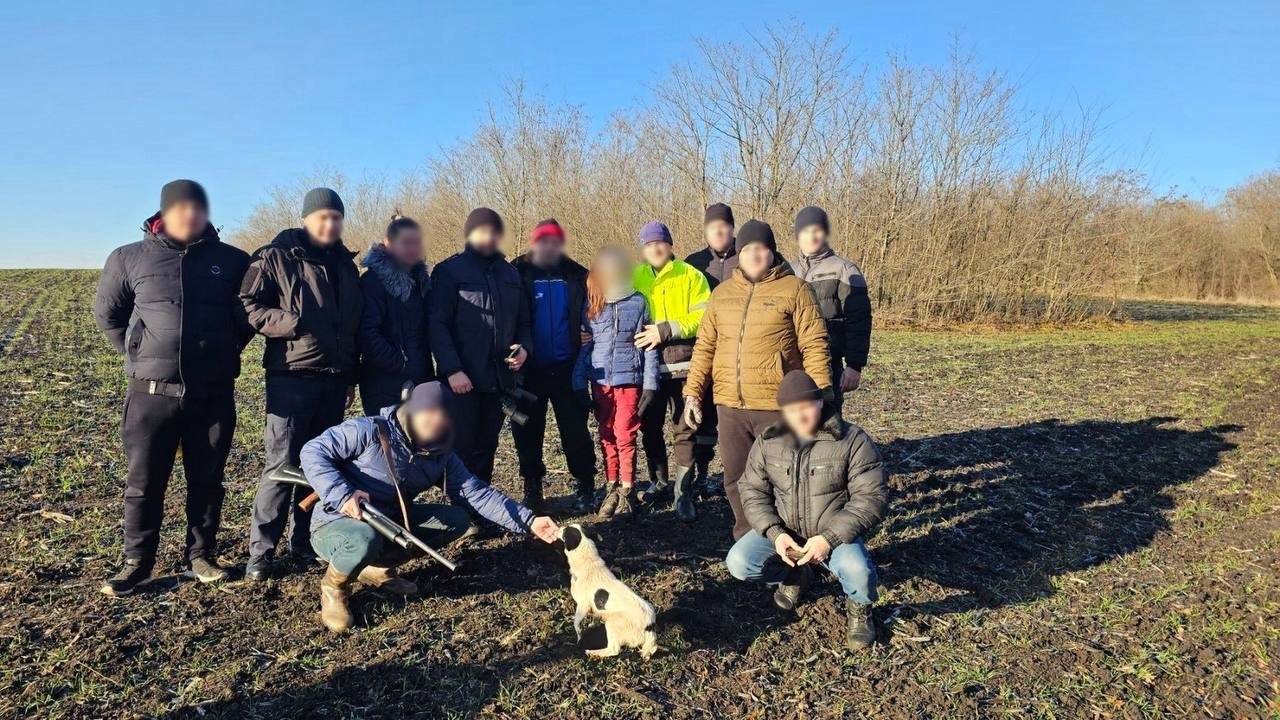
(258, 569)
(206, 570)
(862, 627)
(787, 596)
(135, 573)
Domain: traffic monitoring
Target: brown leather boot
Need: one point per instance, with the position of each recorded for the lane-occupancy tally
(386, 579)
(335, 588)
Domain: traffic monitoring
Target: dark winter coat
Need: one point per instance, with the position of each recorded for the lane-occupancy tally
(348, 457)
(307, 303)
(716, 266)
(394, 344)
(841, 291)
(478, 310)
(612, 358)
(172, 310)
(833, 485)
(544, 330)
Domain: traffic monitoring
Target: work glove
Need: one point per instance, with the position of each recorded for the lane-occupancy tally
(646, 399)
(692, 413)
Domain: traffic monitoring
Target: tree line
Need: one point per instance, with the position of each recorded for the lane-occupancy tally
(959, 203)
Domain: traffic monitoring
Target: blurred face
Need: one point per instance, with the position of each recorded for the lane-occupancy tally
(429, 426)
(613, 268)
(802, 418)
(755, 259)
(811, 239)
(324, 227)
(547, 251)
(485, 239)
(719, 235)
(405, 247)
(185, 221)
(658, 253)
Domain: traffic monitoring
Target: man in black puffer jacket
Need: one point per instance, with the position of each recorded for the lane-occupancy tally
(812, 490)
(479, 334)
(394, 349)
(168, 304)
(841, 292)
(302, 292)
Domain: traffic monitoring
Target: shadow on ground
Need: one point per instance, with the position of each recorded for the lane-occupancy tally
(995, 514)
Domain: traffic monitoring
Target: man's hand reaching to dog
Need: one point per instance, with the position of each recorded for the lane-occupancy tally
(545, 529)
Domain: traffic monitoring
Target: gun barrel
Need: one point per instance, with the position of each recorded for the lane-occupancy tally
(401, 536)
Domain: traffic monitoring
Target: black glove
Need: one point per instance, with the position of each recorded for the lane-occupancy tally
(646, 399)
(585, 400)
(828, 396)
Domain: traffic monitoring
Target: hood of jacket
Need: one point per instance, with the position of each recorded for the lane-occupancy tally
(398, 281)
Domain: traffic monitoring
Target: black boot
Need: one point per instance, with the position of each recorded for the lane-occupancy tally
(533, 495)
(787, 596)
(258, 569)
(683, 501)
(862, 626)
(135, 572)
(584, 498)
(659, 489)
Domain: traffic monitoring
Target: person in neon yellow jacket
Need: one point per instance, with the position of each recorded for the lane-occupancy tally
(677, 294)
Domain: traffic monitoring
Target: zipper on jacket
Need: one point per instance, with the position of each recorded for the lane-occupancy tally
(742, 328)
(182, 298)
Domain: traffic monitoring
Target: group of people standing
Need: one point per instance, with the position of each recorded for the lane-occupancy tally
(734, 348)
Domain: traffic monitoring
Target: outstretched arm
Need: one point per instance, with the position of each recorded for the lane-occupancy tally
(464, 488)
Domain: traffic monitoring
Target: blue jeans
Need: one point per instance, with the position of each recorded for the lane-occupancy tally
(349, 544)
(753, 558)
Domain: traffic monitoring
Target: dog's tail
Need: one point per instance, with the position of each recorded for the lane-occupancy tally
(650, 644)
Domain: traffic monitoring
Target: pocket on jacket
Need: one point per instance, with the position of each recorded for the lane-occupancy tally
(134, 342)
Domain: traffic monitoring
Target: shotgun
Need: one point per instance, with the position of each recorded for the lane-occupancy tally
(385, 526)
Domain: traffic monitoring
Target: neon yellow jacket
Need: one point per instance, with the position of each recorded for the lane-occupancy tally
(677, 296)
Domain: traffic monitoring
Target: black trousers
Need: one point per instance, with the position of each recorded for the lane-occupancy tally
(477, 420)
(738, 431)
(554, 387)
(299, 407)
(153, 428)
(689, 446)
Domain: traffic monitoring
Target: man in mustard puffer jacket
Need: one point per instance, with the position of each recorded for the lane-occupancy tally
(677, 295)
(760, 324)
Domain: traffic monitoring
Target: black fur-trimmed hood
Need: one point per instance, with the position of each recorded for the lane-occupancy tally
(398, 282)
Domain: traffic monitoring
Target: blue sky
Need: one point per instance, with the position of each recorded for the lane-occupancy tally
(102, 105)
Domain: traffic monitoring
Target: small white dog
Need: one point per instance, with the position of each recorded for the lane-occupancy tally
(629, 620)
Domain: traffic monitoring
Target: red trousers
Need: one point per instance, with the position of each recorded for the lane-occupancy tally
(619, 424)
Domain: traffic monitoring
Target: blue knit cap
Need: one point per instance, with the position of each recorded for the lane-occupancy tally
(654, 231)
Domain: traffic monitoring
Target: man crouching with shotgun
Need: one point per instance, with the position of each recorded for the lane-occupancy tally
(386, 461)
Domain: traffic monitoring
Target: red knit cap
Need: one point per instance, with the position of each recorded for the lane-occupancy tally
(545, 229)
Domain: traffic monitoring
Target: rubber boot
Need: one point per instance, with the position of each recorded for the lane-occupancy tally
(386, 579)
(862, 627)
(335, 588)
(683, 501)
(659, 488)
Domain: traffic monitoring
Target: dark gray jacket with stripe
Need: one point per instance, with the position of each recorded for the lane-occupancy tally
(833, 485)
(841, 291)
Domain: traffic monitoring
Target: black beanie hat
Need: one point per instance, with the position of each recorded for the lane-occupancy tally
(482, 216)
(758, 232)
(718, 211)
(797, 386)
(182, 191)
(322, 199)
(812, 216)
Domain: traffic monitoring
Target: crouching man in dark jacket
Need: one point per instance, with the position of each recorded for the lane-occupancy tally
(169, 305)
(302, 292)
(347, 464)
(811, 491)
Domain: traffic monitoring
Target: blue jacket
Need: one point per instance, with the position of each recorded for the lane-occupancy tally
(348, 457)
(612, 358)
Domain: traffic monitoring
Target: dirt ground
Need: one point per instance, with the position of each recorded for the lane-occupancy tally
(1086, 523)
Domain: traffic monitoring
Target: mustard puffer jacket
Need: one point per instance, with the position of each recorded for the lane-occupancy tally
(752, 334)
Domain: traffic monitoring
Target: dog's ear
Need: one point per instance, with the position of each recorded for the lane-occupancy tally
(572, 538)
